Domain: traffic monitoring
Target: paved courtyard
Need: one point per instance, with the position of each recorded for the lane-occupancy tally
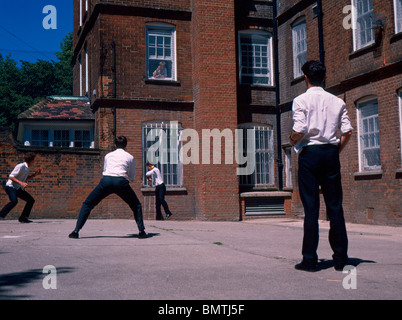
(192, 260)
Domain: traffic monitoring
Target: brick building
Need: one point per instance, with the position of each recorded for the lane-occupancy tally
(219, 58)
(224, 70)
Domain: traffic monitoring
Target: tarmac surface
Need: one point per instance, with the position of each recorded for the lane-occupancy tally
(192, 260)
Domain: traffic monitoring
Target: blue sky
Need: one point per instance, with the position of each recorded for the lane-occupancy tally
(22, 33)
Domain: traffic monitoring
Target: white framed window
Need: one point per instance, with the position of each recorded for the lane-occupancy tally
(255, 55)
(161, 145)
(398, 15)
(40, 138)
(86, 71)
(59, 137)
(263, 174)
(288, 167)
(81, 75)
(299, 41)
(363, 28)
(400, 116)
(82, 139)
(160, 51)
(369, 135)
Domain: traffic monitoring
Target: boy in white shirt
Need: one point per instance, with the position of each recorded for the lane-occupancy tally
(154, 175)
(118, 167)
(15, 188)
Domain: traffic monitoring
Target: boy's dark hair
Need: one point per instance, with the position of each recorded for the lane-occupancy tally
(315, 72)
(29, 157)
(121, 142)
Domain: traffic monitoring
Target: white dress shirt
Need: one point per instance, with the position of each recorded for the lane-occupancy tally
(119, 163)
(156, 176)
(318, 115)
(20, 172)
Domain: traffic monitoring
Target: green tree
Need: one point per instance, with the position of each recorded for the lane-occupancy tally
(63, 68)
(22, 87)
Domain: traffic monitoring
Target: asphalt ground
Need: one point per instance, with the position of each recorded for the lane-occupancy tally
(192, 261)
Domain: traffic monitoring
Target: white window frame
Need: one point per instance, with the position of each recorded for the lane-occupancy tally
(86, 71)
(368, 134)
(299, 43)
(400, 118)
(362, 17)
(263, 174)
(50, 129)
(164, 31)
(260, 68)
(398, 15)
(169, 163)
(288, 167)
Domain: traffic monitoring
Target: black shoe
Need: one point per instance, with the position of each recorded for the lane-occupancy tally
(168, 216)
(24, 220)
(73, 235)
(142, 235)
(340, 266)
(305, 267)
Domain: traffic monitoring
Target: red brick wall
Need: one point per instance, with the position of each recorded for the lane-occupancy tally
(66, 181)
(352, 76)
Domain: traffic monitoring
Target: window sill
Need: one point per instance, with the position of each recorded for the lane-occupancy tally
(266, 194)
(259, 86)
(297, 80)
(169, 190)
(396, 37)
(163, 82)
(362, 51)
(368, 175)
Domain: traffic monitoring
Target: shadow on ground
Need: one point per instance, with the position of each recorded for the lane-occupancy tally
(12, 281)
(326, 264)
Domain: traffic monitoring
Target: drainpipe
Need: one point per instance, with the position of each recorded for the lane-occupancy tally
(320, 30)
(114, 88)
(277, 99)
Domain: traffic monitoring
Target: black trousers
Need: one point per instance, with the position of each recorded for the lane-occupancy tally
(107, 186)
(160, 192)
(319, 165)
(14, 194)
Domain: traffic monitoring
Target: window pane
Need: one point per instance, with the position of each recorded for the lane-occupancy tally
(255, 56)
(160, 49)
(166, 153)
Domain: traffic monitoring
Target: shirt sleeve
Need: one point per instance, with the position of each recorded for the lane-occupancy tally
(299, 117)
(345, 125)
(16, 171)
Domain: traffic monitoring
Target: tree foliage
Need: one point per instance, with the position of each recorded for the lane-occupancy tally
(23, 86)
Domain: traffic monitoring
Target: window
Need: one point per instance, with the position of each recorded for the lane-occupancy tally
(398, 15)
(363, 31)
(61, 138)
(299, 38)
(400, 114)
(82, 138)
(288, 167)
(369, 135)
(40, 138)
(161, 64)
(263, 174)
(161, 146)
(255, 58)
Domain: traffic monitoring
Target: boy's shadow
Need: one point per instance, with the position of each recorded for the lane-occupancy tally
(149, 235)
(326, 264)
